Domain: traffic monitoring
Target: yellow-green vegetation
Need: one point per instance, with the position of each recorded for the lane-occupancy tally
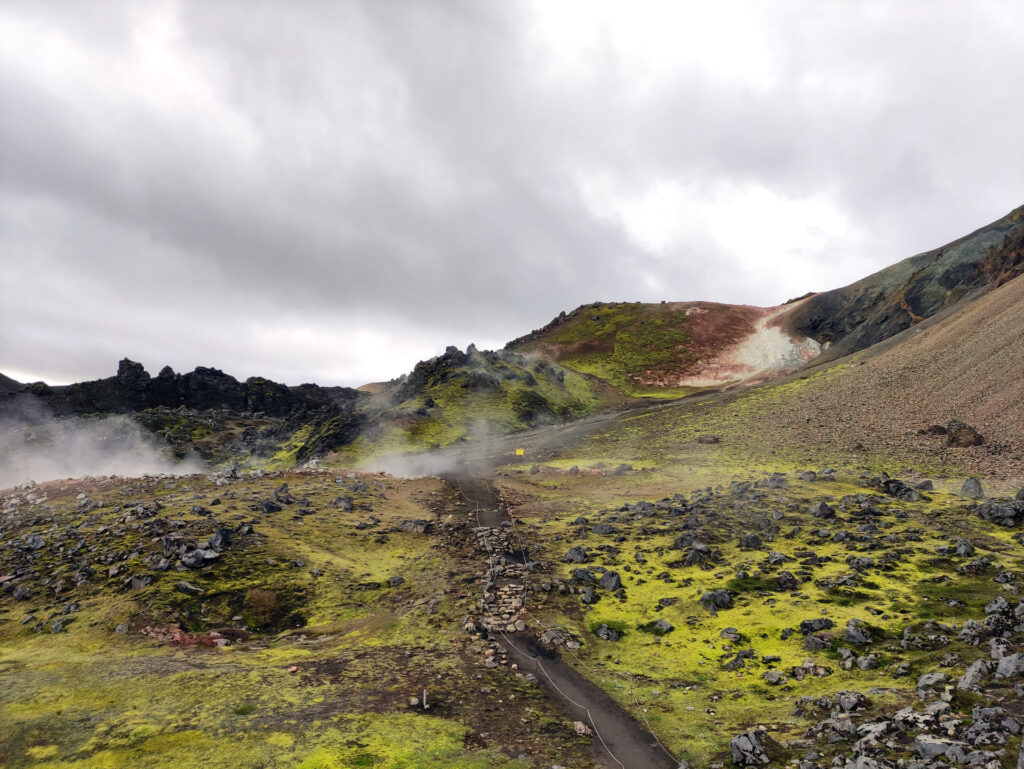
(624, 344)
(680, 680)
(299, 645)
(459, 397)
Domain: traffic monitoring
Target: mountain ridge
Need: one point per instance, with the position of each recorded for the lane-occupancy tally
(603, 355)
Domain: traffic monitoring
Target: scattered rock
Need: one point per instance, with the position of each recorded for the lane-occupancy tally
(717, 599)
(415, 526)
(972, 488)
(657, 627)
(787, 581)
(961, 435)
(822, 510)
(816, 625)
(188, 588)
(973, 676)
(610, 581)
(747, 750)
(856, 632)
(575, 555)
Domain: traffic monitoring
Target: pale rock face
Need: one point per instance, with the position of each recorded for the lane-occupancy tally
(768, 350)
(772, 349)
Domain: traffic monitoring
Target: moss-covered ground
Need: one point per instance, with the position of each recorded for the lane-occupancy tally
(680, 680)
(304, 645)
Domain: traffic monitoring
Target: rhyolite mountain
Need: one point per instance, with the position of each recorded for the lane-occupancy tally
(894, 299)
(671, 348)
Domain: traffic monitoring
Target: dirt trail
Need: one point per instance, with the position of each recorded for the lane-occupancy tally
(620, 741)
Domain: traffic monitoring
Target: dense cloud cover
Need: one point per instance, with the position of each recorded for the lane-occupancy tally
(331, 191)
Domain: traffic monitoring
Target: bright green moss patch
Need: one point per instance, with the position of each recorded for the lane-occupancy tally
(625, 344)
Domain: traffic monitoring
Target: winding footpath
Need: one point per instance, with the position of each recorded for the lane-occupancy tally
(620, 741)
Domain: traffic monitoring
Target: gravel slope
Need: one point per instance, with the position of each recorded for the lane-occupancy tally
(968, 366)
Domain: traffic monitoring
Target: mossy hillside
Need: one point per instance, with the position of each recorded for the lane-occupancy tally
(678, 678)
(332, 692)
(628, 345)
(461, 396)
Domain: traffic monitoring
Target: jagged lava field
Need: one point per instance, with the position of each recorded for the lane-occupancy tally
(682, 534)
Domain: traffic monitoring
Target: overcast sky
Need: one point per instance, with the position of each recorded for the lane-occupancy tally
(331, 191)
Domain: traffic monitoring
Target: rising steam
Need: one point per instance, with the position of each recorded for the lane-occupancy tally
(36, 445)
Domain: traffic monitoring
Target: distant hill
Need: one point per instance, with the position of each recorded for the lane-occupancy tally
(666, 349)
(462, 395)
(453, 397)
(8, 385)
(211, 413)
(885, 406)
(673, 348)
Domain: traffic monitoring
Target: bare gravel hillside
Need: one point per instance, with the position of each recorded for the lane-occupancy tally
(969, 366)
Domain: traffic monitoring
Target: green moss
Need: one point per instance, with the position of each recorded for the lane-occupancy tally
(689, 698)
(624, 344)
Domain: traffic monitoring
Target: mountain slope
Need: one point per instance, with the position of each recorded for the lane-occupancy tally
(874, 308)
(669, 349)
(8, 385)
(874, 405)
(672, 348)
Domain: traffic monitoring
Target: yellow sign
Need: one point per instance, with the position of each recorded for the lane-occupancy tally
(519, 452)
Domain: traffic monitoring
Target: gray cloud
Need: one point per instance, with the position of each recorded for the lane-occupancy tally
(330, 192)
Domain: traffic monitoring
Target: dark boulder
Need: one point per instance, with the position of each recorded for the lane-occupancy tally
(221, 539)
(267, 506)
(972, 488)
(415, 526)
(606, 633)
(748, 750)
(822, 510)
(583, 577)
(717, 599)
(610, 580)
(856, 632)
(21, 593)
(575, 555)
(815, 625)
(749, 542)
(588, 595)
(787, 581)
(657, 627)
(1008, 515)
(962, 435)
